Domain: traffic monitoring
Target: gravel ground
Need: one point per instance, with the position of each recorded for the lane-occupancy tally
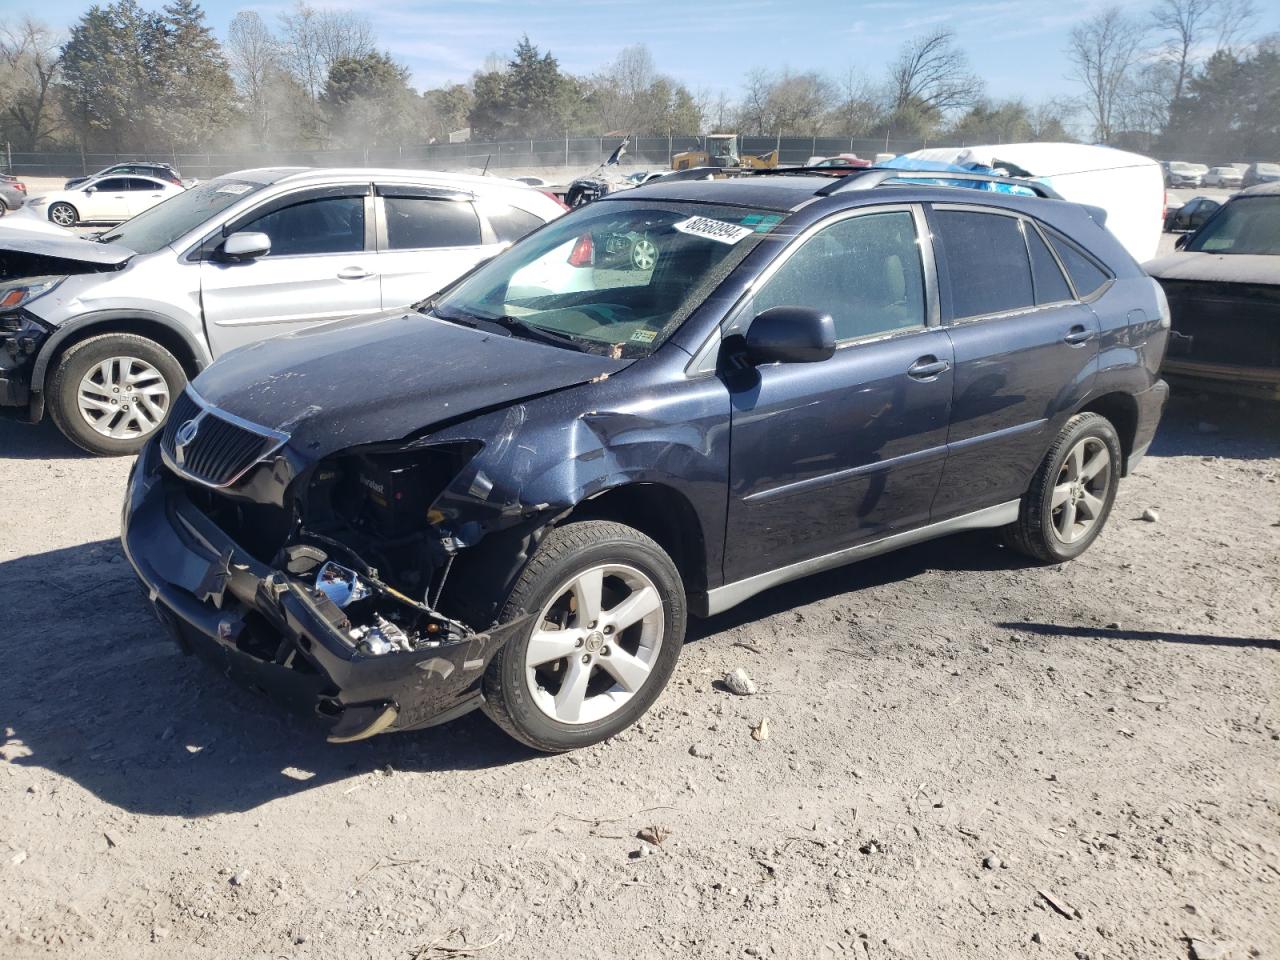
(967, 757)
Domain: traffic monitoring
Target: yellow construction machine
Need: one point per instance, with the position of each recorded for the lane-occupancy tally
(721, 150)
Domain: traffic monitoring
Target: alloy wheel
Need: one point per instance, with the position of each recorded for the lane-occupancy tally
(644, 254)
(62, 215)
(123, 398)
(595, 644)
(1080, 494)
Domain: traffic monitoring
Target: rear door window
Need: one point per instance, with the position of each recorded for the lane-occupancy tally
(987, 262)
(511, 223)
(420, 223)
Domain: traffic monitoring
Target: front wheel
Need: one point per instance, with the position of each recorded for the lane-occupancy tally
(608, 623)
(110, 393)
(1071, 494)
(64, 215)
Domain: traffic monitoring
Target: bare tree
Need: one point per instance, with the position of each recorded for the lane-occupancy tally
(860, 105)
(1232, 21)
(30, 59)
(933, 73)
(1183, 24)
(314, 39)
(1102, 49)
(254, 59)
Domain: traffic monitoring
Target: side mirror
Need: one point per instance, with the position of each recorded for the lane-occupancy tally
(1181, 241)
(246, 246)
(90, 190)
(791, 335)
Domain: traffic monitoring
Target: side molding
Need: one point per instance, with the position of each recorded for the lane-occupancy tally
(732, 594)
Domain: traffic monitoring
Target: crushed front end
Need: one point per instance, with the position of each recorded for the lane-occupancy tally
(318, 583)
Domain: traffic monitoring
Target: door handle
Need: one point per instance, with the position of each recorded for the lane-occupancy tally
(353, 273)
(1078, 335)
(926, 368)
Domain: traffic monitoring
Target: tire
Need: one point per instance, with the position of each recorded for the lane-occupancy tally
(127, 368)
(520, 698)
(1046, 531)
(64, 214)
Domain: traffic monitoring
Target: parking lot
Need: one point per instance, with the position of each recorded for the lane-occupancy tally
(967, 757)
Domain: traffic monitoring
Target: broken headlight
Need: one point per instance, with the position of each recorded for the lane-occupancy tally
(18, 293)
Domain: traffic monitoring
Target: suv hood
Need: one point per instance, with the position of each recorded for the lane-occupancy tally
(369, 379)
(1217, 267)
(30, 247)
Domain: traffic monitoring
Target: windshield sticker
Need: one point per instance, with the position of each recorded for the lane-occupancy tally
(234, 188)
(644, 336)
(761, 223)
(716, 230)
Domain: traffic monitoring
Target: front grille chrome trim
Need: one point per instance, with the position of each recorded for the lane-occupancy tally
(192, 407)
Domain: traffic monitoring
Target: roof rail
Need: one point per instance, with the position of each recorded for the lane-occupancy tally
(868, 177)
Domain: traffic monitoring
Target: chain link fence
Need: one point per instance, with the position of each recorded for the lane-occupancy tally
(508, 156)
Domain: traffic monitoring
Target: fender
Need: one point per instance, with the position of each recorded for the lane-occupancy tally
(72, 329)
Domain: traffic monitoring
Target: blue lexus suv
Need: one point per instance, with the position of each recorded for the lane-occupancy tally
(513, 495)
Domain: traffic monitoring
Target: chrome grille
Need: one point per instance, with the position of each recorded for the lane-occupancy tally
(211, 446)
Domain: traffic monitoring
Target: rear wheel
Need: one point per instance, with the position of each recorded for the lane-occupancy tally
(608, 623)
(64, 214)
(111, 393)
(1072, 492)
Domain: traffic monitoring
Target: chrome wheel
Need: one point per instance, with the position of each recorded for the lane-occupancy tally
(594, 644)
(1080, 494)
(63, 215)
(123, 398)
(644, 254)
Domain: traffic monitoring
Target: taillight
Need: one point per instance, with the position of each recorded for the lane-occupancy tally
(548, 193)
(584, 252)
(20, 186)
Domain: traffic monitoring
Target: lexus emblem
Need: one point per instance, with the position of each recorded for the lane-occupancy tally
(186, 433)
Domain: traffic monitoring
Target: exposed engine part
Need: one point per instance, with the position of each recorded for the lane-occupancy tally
(380, 637)
(341, 585)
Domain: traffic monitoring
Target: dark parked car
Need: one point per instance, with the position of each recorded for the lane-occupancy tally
(1223, 288)
(161, 171)
(514, 497)
(1191, 215)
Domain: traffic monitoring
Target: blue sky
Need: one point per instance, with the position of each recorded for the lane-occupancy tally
(1016, 45)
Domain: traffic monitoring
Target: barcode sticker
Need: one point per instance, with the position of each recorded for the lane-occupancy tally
(716, 230)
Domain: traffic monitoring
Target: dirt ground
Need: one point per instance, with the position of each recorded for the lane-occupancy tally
(968, 757)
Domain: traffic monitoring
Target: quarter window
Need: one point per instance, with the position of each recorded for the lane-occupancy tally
(1087, 276)
(419, 223)
(865, 271)
(987, 262)
(1051, 285)
(328, 225)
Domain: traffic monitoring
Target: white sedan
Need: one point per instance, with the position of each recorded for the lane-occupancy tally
(103, 200)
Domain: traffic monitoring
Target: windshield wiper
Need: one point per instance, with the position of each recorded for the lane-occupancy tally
(521, 328)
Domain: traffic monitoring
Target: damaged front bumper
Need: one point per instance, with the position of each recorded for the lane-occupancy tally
(275, 632)
(21, 338)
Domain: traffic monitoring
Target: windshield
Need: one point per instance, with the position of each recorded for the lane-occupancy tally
(1245, 225)
(615, 277)
(164, 223)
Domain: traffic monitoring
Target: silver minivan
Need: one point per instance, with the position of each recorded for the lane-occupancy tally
(104, 333)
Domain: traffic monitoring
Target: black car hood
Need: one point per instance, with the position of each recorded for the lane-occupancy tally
(383, 377)
(1216, 267)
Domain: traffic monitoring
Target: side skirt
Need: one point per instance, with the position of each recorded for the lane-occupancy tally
(732, 594)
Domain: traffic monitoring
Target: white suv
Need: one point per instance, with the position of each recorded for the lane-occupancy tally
(105, 333)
